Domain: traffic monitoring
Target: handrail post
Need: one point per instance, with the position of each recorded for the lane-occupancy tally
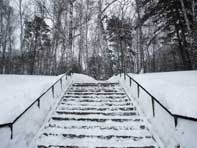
(124, 76)
(53, 91)
(138, 90)
(130, 81)
(175, 121)
(39, 103)
(61, 83)
(11, 130)
(153, 106)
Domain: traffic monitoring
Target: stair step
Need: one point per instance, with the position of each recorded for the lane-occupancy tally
(108, 137)
(96, 108)
(94, 100)
(59, 118)
(59, 146)
(97, 113)
(72, 146)
(121, 125)
(73, 116)
(95, 96)
(95, 84)
(142, 133)
(95, 93)
(93, 115)
(96, 126)
(96, 141)
(94, 90)
(98, 104)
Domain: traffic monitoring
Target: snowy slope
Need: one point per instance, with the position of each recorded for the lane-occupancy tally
(24, 90)
(81, 78)
(175, 90)
(19, 91)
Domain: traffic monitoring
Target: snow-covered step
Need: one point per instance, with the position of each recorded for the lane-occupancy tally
(86, 113)
(96, 84)
(114, 125)
(59, 118)
(97, 104)
(109, 136)
(97, 132)
(93, 126)
(96, 108)
(95, 115)
(94, 90)
(95, 100)
(97, 141)
(95, 93)
(94, 96)
(71, 146)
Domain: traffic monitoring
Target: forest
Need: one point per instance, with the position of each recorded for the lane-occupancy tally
(100, 38)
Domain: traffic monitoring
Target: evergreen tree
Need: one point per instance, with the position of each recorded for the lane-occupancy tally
(120, 36)
(170, 18)
(37, 43)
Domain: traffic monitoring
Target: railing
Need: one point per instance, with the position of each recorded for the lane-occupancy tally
(153, 100)
(10, 125)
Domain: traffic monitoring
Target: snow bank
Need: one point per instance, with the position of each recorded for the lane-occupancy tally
(115, 78)
(81, 78)
(18, 92)
(175, 90)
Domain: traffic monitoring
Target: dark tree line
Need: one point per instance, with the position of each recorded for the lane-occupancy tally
(100, 38)
(174, 22)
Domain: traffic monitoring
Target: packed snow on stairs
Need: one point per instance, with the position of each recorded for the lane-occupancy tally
(95, 115)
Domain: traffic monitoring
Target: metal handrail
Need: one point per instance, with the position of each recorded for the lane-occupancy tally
(175, 116)
(10, 124)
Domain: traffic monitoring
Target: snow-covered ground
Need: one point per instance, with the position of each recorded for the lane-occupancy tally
(17, 93)
(81, 78)
(177, 92)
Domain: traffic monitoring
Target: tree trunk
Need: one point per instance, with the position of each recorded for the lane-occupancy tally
(86, 32)
(21, 35)
(80, 55)
(139, 40)
(70, 36)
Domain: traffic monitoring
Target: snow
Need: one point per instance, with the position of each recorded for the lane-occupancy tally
(88, 130)
(81, 78)
(21, 91)
(18, 92)
(29, 88)
(175, 90)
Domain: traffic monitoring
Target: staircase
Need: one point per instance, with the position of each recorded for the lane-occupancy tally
(95, 115)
